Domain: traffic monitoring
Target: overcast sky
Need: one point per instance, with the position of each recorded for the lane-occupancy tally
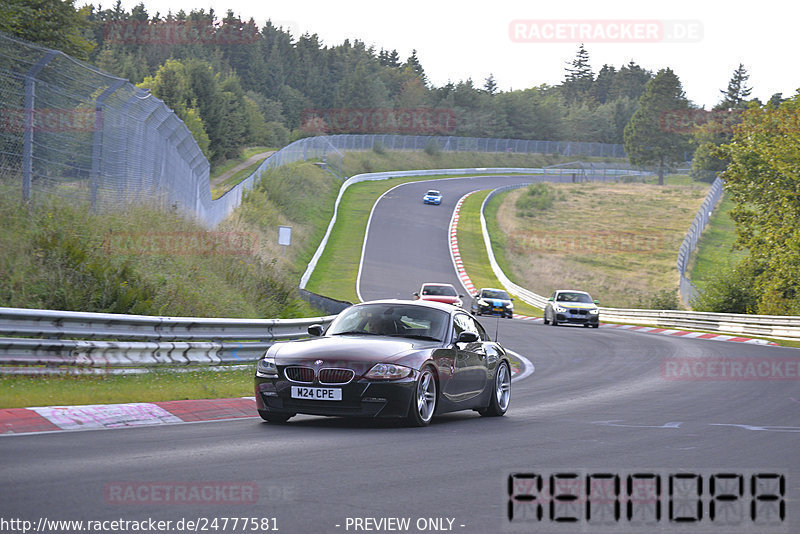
(702, 41)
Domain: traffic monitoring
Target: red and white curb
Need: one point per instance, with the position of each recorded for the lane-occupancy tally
(690, 334)
(101, 416)
(470, 287)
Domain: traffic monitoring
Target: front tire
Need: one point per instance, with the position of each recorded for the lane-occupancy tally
(546, 320)
(275, 418)
(423, 402)
(501, 396)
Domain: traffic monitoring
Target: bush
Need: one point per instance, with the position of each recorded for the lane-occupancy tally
(666, 299)
(731, 290)
(432, 148)
(537, 197)
(378, 148)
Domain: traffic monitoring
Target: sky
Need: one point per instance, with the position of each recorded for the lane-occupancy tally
(702, 41)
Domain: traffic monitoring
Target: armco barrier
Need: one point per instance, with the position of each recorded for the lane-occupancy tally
(47, 340)
(774, 326)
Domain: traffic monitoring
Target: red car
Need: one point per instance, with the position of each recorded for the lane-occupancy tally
(439, 293)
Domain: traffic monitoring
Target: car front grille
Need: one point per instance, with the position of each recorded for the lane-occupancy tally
(335, 376)
(578, 312)
(300, 374)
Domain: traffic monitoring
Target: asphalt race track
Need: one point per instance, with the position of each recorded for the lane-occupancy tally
(601, 401)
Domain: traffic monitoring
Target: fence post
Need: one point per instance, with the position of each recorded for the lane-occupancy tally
(97, 143)
(28, 108)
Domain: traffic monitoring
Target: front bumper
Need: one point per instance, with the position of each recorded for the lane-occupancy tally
(432, 201)
(577, 316)
(495, 310)
(361, 398)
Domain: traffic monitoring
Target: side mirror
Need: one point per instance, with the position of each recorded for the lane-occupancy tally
(315, 330)
(512, 298)
(461, 296)
(416, 294)
(467, 337)
(597, 302)
(550, 299)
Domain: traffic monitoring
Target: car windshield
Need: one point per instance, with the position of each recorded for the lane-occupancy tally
(439, 291)
(574, 297)
(402, 320)
(495, 294)
(433, 193)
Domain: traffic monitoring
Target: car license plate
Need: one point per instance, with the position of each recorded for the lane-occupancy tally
(332, 394)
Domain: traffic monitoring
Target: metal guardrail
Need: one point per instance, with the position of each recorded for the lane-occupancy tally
(47, 340)
(774, 326)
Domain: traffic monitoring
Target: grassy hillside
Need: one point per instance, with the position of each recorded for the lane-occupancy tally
(60, 255)
(714, 250)
(617, 241)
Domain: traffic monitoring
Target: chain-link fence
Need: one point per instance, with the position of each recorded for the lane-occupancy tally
(688, 291)
(70, 130)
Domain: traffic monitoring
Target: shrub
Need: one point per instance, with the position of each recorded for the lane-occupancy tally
(536, 197)
(432, 148)
(731, 290)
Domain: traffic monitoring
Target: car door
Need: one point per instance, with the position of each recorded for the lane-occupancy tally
(469, 374)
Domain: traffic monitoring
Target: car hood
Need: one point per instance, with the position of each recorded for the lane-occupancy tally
(441, 298)
(496, 302)
(348, 349)
(578, 305)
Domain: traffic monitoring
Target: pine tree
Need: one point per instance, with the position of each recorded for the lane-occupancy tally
(647, 140)
(579, 77)
(490, 85)
(735, 96)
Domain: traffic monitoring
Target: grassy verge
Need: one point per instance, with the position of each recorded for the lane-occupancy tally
(396, 160)
(473, 251)
(231, 163)
(228, 184)
(162, 385)
(715, 247)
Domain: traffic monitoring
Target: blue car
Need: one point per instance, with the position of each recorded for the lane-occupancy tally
(432, 197)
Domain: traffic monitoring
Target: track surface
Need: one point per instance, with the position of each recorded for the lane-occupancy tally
(597, 401)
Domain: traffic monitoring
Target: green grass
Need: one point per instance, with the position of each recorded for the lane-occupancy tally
(395, 160)
(231, 163)
(714, 249)
(228, 184)
(473, 251)
(161, 385)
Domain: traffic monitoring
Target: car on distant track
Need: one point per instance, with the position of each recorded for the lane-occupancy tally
(432, 197)
(570, 306)
(437, 292)
(490, 301)
(389, 358)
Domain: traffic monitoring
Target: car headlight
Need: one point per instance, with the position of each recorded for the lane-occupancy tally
(482, 302)
(559, 309)
(266, 367)
(594, 311)
(510, 305)
(387, 371)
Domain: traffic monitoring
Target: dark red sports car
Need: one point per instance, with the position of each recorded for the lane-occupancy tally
(390, 358)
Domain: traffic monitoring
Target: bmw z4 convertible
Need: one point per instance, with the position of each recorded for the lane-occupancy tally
(388, 358)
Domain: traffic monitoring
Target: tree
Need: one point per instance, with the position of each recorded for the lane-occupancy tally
(414, 64)
(50, 23)
(762, 180)
(735, 96)
(647, 141)
(490, 85)
(579, 77)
